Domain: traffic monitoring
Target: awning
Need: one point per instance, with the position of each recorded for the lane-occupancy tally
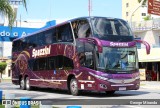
(154, 55)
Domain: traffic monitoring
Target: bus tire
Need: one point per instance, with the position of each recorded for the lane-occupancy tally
(28, 87)
(74, 87)
(22, 84)
(110, 92)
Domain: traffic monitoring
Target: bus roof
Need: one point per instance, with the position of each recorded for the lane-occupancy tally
(65, 22)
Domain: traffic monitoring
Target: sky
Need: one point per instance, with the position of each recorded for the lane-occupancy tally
(68, 9)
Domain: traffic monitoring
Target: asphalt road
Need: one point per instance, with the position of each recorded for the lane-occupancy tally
(135, 98)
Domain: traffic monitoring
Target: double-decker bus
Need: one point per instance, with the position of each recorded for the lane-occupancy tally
(87, 53)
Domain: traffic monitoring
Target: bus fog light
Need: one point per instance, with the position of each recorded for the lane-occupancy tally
(137, 85)
(103, 86)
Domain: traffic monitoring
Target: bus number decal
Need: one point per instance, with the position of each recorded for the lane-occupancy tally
(41, 52)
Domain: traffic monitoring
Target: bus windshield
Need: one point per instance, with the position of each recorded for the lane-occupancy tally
(109, 27)
(118, 59)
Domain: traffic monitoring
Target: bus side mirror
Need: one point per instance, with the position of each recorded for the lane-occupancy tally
(146, 44)
(95, 41)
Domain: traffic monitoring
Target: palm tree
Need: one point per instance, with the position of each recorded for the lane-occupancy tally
(145, 1)
(7, 10)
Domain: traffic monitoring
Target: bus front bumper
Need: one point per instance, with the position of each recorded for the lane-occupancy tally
(119, 86)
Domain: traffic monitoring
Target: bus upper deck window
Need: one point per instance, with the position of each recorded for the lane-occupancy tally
(84, 31)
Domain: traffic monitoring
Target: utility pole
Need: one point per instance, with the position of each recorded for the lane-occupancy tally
(89, 7)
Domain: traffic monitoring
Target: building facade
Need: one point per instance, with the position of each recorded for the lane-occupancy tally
(147, 30)
(133, 12)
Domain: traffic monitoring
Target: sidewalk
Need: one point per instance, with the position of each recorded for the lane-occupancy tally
(150, 84)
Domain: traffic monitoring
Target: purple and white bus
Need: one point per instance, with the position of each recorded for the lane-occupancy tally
(88, 53)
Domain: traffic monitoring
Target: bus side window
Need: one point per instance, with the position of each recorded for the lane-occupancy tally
(59, 62)
(84, 29)
(15, 46)
(42, 64)
(67, 63)
(48, 37)
(40, 39)
(38, 64)
(89, 55)
(65, 33)
(86, 55)
(19, 45)
(51, 63)
(24, 43)
(75, 30)
(35, 65)
(82, 58)
(54, 37)
(31, 64)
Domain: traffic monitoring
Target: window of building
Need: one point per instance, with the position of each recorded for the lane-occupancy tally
(127, 13)
(9, 73)
(127, 4)
(143, 14)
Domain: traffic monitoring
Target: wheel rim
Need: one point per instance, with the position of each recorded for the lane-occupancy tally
(27, 84)
(74, 86)
(22, 84)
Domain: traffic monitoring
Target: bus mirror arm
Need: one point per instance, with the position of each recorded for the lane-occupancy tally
(98, 43)
(95, 41)
(146, 45)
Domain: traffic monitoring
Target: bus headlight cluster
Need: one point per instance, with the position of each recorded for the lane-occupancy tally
(97, 76)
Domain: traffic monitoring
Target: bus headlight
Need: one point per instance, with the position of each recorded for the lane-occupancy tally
(97, 76)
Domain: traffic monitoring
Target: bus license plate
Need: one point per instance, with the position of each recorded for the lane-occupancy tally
(122, 88)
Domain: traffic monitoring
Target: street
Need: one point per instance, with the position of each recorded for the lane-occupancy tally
(50, 94)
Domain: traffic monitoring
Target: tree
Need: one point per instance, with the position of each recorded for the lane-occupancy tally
(7, 10)
(148, 17)
(145, 1)
(2, 67)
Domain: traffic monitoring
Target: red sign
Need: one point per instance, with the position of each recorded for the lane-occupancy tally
(154, 7)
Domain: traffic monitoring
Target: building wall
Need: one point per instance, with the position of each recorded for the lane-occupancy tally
(151, 36)
(140, 11)
(7, 49)
(132, 5)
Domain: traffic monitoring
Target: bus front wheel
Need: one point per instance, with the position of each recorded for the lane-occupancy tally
(74, 87)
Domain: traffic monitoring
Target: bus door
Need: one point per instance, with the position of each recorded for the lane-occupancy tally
(86, 53)
(87, 58)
